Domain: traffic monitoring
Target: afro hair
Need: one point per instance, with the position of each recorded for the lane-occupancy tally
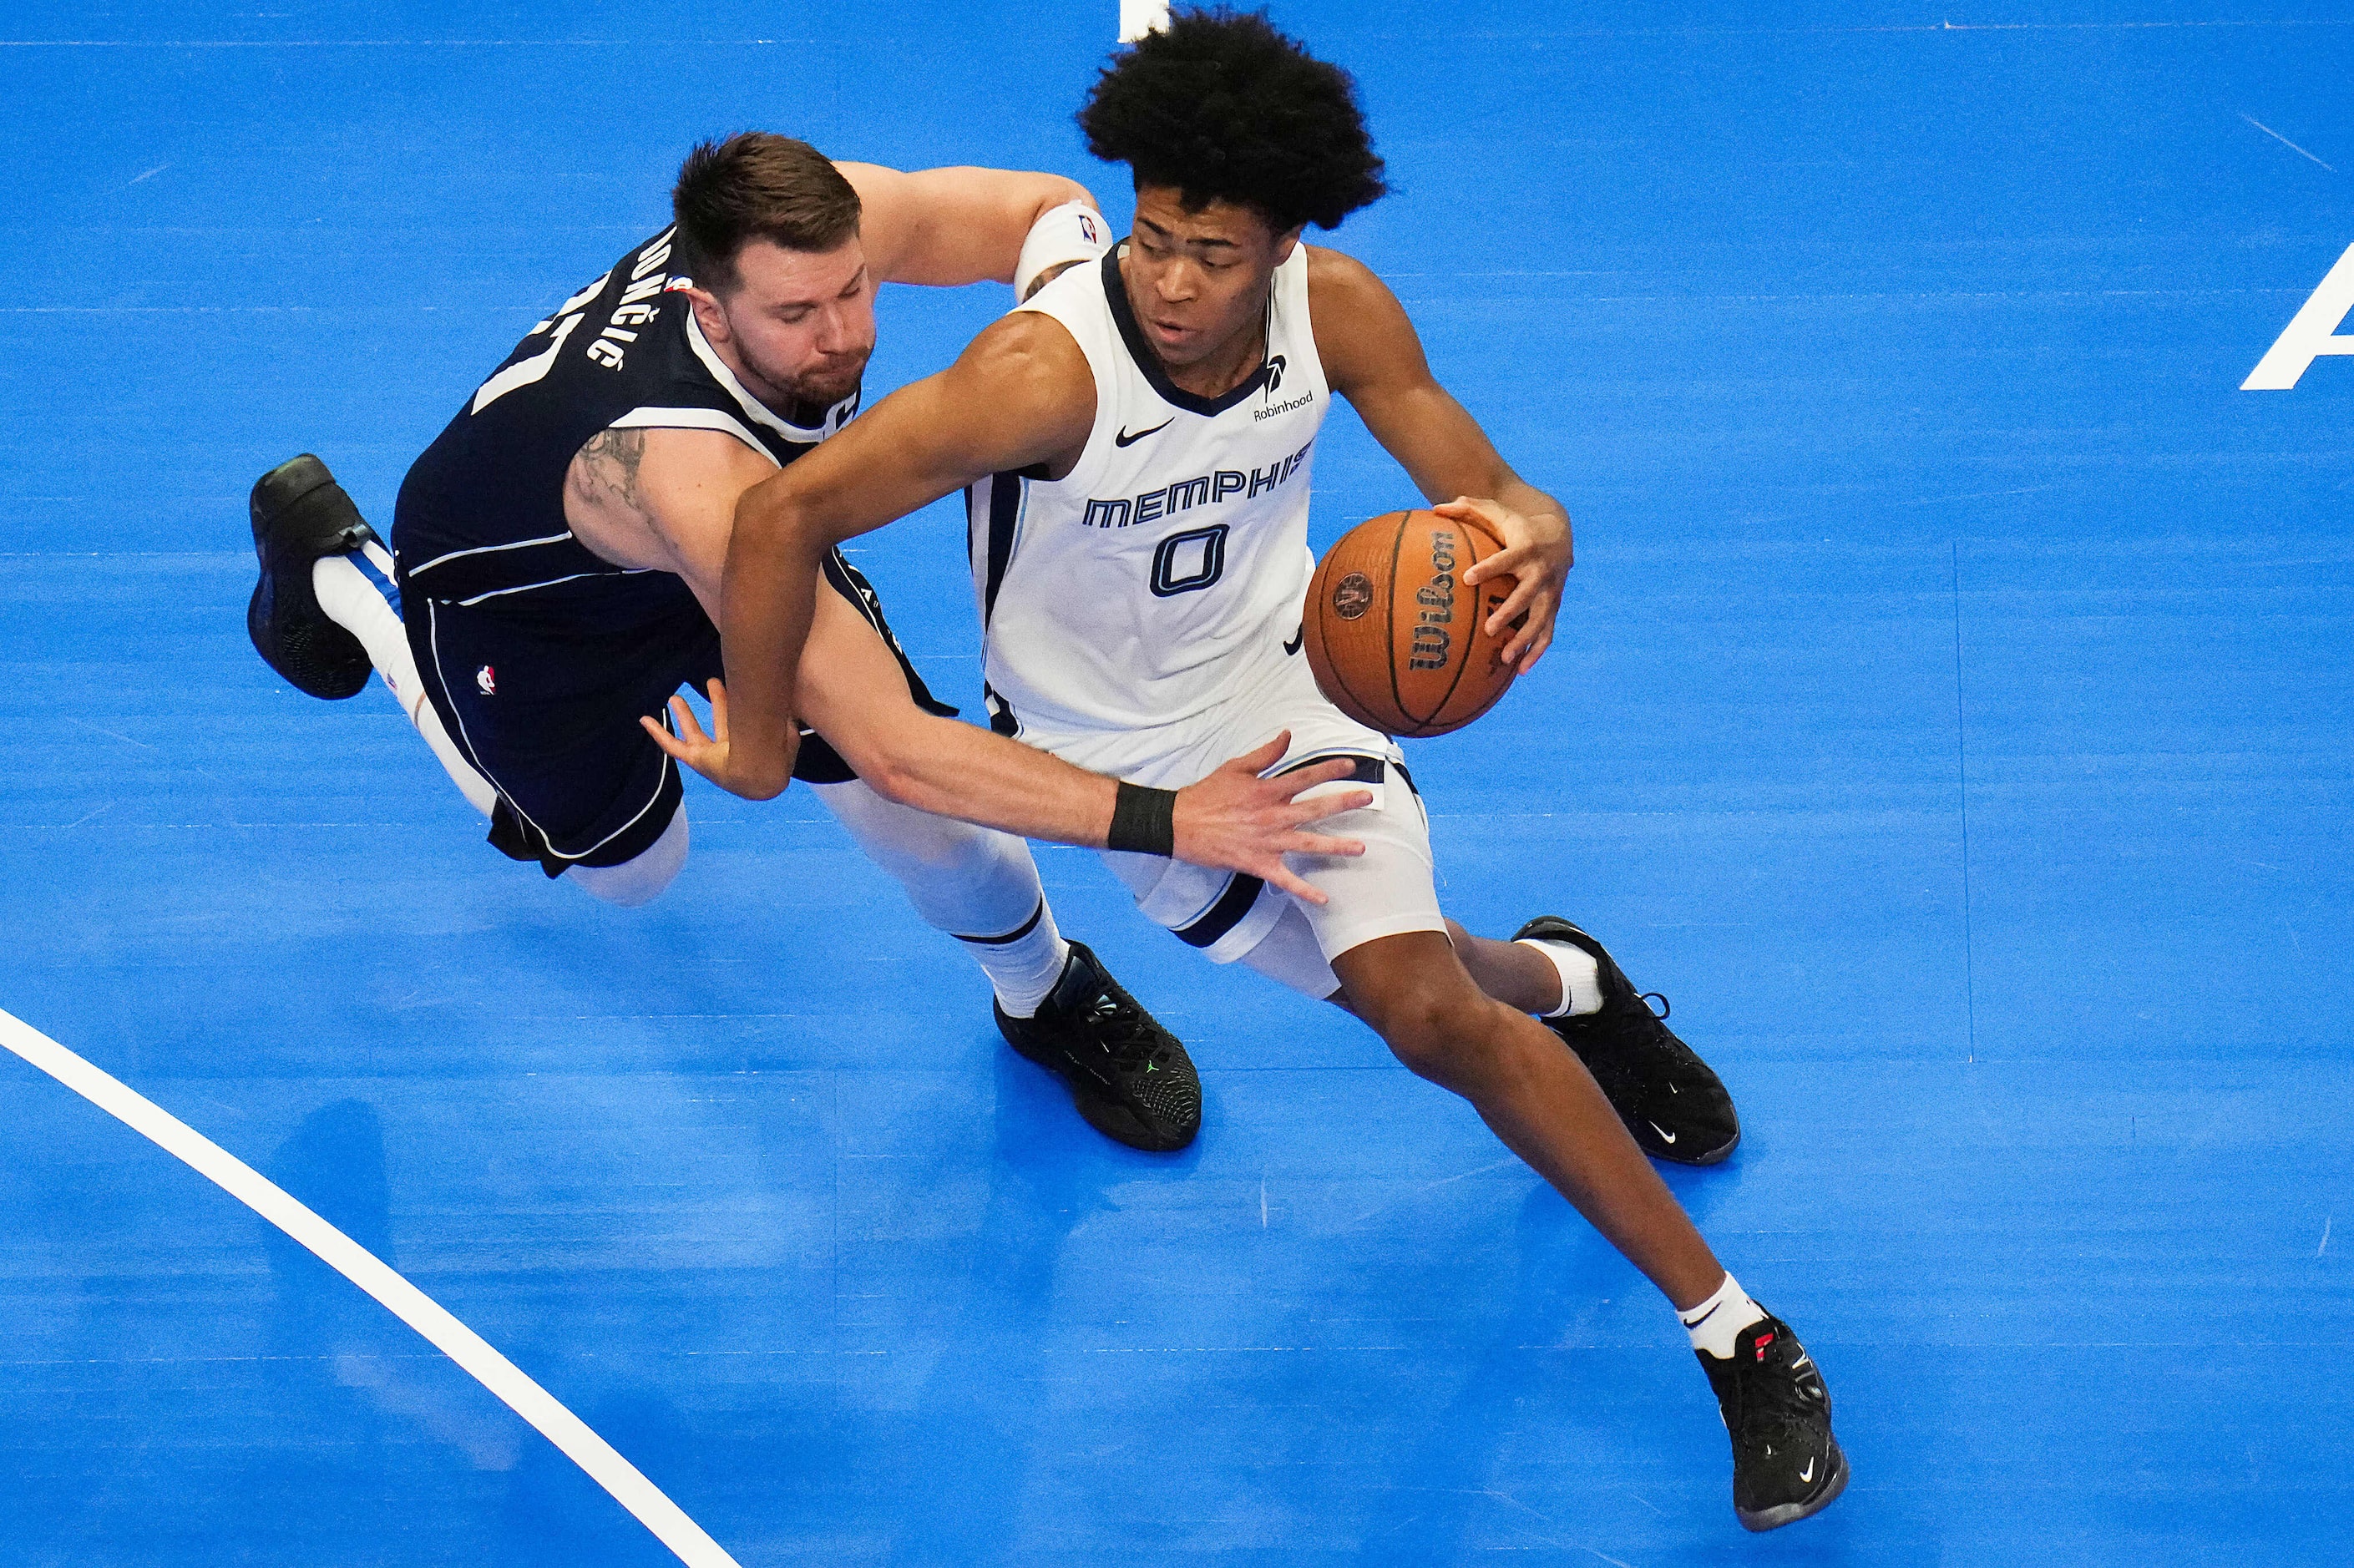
(1221, 107)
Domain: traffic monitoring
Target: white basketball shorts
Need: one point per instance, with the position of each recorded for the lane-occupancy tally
(1385, 891)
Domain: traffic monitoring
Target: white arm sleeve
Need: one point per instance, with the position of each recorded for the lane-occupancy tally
(1074, 231)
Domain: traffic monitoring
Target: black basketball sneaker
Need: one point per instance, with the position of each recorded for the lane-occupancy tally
(1785, 1464)
(1130, 1077)
(1669, 1099)
(301, 514)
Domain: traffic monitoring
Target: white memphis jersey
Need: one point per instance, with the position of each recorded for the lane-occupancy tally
(1165, 573)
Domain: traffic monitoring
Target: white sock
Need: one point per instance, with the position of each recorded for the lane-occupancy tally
(1581, 977)
(357, 592)
(976, 884)
(1716, 1323)
(641, 879)
(1023, 966)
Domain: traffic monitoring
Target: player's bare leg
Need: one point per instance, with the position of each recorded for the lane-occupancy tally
(1538, 1098)
(1512, 972)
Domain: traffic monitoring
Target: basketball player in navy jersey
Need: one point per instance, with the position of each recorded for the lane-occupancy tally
(554, 572)
(1135, 442)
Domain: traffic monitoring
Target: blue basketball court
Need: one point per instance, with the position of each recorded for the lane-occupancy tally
(1951, 714)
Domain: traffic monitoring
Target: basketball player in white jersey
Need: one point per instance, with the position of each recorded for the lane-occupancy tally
(555, 567)
(1136, 444)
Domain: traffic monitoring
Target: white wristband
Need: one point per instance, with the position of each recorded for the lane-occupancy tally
(1072, 232)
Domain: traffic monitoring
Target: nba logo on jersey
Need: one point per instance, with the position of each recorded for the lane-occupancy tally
(487, 682)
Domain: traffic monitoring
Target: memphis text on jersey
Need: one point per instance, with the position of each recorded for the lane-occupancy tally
(1202, 490)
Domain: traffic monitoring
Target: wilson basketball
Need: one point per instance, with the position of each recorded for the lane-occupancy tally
(1394, 636)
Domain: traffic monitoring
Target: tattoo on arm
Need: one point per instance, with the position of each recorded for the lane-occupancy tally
(1048, 276)
(607, 469)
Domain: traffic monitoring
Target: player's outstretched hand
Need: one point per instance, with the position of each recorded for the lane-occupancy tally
(709, 754)
(1537, 552)
(1236, 821)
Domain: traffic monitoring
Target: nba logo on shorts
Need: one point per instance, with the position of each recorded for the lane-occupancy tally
(487, 681)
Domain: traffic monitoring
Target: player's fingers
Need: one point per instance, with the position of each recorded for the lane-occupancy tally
(1305, 811)
(1525, 562)
(1270, 754)
(1538, 626)
(1265, 758)
(1275, 871)
(1290, 786)
(1537, 651)
(718, 709)
(1321, 843)
(1522, 601)
(1498, 519)
(663, 737)
(689, 732)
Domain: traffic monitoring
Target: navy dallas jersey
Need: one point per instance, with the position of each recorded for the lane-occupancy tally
(540, 654)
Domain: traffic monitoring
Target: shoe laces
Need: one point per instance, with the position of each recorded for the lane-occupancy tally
(1780, 1397)
(1118, 1025)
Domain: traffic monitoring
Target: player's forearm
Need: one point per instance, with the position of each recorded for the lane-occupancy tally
(955, 769)
(768, 599)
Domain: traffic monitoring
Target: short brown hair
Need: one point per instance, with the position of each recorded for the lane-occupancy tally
(757, 185)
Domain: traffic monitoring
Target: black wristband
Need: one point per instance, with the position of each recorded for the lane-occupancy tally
(1143, 821)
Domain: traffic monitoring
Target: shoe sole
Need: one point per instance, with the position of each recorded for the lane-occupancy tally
(1713, 1156)
(1767, 1519)
(300, 641)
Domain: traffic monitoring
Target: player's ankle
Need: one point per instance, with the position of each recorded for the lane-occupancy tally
(1581, 977)
(1714, 1324)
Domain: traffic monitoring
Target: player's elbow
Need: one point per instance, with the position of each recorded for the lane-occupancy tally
(889, 763)
(895, 780)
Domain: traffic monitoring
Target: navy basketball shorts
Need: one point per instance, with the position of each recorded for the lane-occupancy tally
(542, 691)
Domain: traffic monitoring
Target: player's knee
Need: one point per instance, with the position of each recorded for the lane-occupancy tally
(913, 843)
(1440, 1031)
(643, 878)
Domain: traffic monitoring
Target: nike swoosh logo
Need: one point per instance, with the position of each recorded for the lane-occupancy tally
(1809, 1473)
(1125, 439)
(1296, 639)
(1663, 1132)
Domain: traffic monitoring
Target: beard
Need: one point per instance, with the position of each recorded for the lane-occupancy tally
(821, 386)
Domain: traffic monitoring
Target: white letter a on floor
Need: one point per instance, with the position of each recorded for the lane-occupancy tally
(2308, 336)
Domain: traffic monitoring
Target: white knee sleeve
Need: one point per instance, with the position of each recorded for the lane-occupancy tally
(354, 599)
(640, 880)
(965, 880)
(976, 884)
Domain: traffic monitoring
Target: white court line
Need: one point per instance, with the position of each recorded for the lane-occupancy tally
(2282, 140)
(371, 1274)
(1137, 17)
